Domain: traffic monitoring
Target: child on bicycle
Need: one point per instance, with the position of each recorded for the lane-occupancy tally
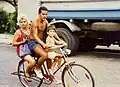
(53, 42)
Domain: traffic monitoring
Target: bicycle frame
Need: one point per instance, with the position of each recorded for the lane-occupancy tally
(64, 56)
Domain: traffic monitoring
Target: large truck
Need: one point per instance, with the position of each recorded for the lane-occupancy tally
(83, 24)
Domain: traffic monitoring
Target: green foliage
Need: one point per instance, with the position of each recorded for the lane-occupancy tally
(7, 21)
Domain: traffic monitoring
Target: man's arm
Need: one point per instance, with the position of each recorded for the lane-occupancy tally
(35, 35)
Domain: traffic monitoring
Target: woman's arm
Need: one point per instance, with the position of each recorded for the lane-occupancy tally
(15, 37)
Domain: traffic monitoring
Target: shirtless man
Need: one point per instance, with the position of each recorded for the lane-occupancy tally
(36, 43)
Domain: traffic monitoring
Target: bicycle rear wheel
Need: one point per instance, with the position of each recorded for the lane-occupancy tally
(75, 75)
(36, 82)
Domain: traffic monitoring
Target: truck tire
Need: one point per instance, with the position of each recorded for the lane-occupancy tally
(105, 26)
(69, 38)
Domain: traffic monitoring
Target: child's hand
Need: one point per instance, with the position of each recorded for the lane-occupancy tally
(55, 34)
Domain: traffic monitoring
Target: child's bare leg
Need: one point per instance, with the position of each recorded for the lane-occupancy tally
(59, 62)
(54, 63)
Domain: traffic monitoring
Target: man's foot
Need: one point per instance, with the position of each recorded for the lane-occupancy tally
(28, 77)
(38, 73)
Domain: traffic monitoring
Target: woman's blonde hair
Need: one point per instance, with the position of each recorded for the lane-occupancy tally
(23, 16)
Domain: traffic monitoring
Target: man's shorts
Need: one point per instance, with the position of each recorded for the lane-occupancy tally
(32, 44)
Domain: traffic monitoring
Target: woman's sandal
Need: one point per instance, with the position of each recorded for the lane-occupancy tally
(28, 77)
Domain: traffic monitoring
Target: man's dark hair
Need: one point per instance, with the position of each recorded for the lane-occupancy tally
(42, 8)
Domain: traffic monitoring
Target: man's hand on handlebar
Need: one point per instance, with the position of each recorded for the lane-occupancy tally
(46, 46)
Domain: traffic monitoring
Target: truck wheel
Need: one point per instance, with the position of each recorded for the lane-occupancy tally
(69, 38)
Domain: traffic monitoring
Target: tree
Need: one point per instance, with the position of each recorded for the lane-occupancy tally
(8, 20)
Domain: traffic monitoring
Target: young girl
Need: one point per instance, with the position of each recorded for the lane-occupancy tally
(20, 38)
(53, 42)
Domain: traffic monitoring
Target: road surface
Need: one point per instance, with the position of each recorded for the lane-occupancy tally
(103, 64)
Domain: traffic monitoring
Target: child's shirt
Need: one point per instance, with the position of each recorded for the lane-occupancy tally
(50, 41)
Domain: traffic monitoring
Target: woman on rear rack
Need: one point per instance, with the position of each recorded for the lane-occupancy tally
(19, 40)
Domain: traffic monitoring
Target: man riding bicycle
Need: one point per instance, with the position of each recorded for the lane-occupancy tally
(36, 43)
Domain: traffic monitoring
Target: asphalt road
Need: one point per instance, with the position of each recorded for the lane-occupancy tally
(103, 64)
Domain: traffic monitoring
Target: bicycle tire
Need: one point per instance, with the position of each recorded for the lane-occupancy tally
(87, 75)
(21, 76)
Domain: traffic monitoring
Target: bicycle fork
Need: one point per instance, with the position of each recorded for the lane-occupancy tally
(72, 75)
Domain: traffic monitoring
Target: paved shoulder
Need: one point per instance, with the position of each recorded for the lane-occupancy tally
(5, 39)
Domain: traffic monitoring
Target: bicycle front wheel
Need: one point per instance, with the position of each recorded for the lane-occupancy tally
(36, 82)
(75, 75)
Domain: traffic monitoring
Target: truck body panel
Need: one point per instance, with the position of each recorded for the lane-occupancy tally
(83, 9)
(75, 9)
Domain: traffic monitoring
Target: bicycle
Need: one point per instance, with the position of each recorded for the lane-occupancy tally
(73, 75)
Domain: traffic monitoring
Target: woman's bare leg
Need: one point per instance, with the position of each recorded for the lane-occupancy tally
(43, 55)
(31, 63)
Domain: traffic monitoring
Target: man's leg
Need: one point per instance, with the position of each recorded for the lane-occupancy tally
(49, 63)
(43, 55)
